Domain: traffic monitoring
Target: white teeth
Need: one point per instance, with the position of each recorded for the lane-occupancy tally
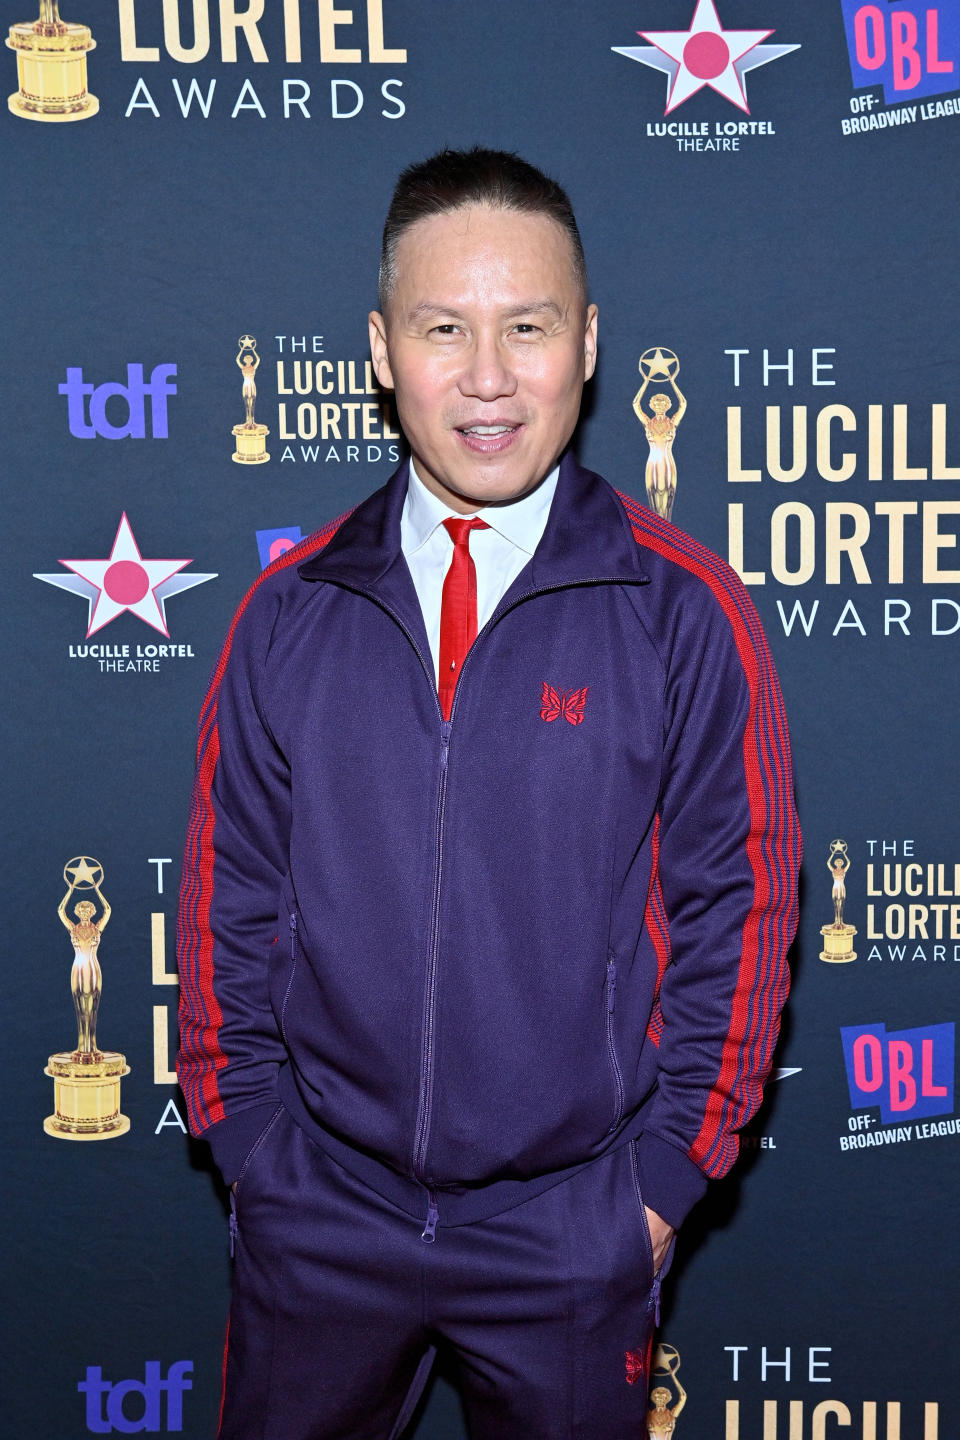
(488, 429)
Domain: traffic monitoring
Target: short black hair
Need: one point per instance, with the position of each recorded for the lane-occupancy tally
(452, 179)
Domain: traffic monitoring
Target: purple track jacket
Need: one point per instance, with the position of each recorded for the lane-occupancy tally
(473, 956)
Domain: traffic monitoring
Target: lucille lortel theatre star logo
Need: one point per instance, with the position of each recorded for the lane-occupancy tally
(705, 55)
(125, 581)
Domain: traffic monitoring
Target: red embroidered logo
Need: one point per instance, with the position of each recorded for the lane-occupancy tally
(635, 1366)
(568, 703)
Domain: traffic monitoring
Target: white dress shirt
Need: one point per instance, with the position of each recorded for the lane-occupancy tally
(499, 553)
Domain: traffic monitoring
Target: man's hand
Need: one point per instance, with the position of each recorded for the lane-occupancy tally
(660, 1236)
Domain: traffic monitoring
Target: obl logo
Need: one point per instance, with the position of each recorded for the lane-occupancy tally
(134, 394)
(150, 1388)
(908, 1073)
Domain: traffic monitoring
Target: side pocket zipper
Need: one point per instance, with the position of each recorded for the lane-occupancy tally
(293, 967)
(611, 1048)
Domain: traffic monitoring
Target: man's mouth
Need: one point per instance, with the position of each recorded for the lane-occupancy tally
(489, 438)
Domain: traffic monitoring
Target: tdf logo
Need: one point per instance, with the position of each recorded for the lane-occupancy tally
(148, 1406)
(87, 403)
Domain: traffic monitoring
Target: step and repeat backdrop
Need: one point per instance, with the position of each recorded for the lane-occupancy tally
(768, 196)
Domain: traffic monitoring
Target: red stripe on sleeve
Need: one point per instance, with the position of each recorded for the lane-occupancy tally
(658, 929)
(773, 841)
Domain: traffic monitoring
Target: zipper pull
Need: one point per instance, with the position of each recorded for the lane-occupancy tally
(433, 1215)
(656, 1299)
(611, 983)
(444, 743)
(293, 935)
(233, 1226)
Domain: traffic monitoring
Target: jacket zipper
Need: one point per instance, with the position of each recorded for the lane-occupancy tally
(425, 1103)
(617, 1073)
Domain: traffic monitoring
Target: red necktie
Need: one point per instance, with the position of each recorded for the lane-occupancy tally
(458, 609)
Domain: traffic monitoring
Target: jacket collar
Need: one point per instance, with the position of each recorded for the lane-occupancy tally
(587, 538)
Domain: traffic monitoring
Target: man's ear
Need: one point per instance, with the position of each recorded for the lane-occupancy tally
(590, 343)
(378, 349)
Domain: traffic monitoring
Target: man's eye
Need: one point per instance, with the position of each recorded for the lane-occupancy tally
(449, 329)
(524, 327)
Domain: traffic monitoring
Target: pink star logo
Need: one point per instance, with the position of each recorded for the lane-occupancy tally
(125, 581)
(706, 54)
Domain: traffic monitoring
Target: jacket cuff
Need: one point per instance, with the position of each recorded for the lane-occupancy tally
(232, 1139)
(670, 1183)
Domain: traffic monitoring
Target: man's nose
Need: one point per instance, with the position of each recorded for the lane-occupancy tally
(488, 373)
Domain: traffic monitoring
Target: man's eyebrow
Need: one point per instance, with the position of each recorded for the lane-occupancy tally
(536, 307)
(429, 310)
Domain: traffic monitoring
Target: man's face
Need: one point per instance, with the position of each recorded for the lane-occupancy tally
(487, 341)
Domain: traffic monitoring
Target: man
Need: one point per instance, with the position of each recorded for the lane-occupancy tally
(482, 940)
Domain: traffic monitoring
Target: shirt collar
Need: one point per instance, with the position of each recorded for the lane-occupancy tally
(522, 522)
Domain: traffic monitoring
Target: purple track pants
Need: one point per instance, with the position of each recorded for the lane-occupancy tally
(339, 1304)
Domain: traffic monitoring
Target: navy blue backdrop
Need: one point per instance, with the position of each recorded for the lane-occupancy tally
(767, 190)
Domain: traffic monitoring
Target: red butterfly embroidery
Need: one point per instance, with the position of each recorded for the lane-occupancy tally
(634, 1366)
(568, 703)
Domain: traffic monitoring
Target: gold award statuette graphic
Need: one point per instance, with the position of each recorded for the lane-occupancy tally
(838, 937)
(667, 1395)
(52, 68)
(86, 1081)
(660, 426)
(251, 437)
